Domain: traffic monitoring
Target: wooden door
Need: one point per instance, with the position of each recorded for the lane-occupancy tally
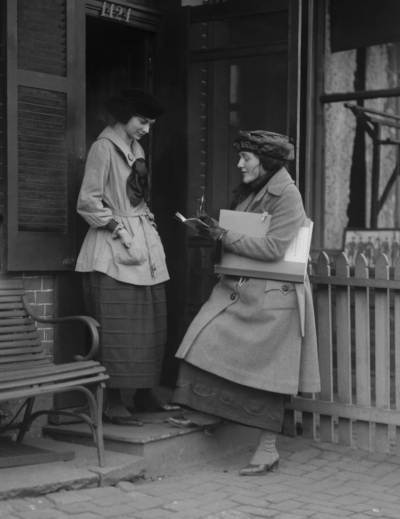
(44, 138)
(243, 75)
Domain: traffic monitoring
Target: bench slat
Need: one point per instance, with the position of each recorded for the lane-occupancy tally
(21, 336)
(15, 313)
(53, 377)
(17, 321)
(6, 299)
(14, 329)
(52, 388)
(15, 374)
(11, 283)
(22, 357)
(5, 368)
(32, 342)
(10, 305)
(12, 292)
(14, 351)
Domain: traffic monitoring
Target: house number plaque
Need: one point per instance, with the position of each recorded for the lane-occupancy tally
(116, 12)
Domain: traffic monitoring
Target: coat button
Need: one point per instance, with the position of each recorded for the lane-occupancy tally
(285, 288)
(233, 296)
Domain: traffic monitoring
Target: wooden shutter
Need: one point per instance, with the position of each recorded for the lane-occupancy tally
(45, 113)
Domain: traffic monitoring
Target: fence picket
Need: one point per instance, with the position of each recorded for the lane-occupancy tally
(362, 352)
(343, 344)
(309, 423)
(397, 349)
(324, 332)
(382, 352)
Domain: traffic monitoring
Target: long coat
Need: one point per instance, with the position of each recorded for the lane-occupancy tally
(103, 197)
(255, 332)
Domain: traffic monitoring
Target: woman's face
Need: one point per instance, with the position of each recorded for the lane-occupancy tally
(138, 126)
(250, 166)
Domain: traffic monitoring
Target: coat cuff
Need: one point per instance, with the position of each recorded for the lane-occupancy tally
(230, 239)
(111, 225)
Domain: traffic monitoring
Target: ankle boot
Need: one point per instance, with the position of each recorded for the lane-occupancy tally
(266, 457)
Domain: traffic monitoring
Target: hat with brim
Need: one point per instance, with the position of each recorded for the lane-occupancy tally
(272, 144)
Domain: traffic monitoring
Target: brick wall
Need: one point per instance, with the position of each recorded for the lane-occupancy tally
(39, 289)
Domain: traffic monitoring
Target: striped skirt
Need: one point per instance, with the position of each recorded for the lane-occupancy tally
(133, 329)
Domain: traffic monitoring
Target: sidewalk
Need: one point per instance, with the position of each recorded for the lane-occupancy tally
(317, 480)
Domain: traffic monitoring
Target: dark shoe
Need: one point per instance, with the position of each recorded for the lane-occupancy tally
(150, 403)
(183, 423)
(259, 470)
(121, 420)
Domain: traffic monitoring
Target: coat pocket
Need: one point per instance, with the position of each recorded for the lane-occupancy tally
(132, 256)
(279, 295)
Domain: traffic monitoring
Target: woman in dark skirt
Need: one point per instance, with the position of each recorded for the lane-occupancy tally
(122, 258)
(254, 340)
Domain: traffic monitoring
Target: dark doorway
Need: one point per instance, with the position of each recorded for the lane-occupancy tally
(117, 57)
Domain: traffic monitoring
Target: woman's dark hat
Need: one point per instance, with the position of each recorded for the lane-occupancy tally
(271, 144)
(135, 101)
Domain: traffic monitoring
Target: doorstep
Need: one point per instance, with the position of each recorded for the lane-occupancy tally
(81, 472)
(163, 447)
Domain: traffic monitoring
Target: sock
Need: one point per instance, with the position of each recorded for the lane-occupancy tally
(266, 451)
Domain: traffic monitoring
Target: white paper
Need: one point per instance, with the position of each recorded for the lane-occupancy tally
(298, 249)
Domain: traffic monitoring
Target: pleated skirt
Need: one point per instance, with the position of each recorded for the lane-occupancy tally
(209, 393)
(133, 329)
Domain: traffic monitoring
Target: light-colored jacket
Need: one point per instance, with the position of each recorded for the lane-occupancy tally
(103, 197)
(260, 333)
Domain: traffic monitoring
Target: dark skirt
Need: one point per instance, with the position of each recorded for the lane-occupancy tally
(209, 393)
(133, 329)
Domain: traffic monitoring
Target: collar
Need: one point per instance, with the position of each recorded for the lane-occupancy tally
(276, 185)
(131, 153)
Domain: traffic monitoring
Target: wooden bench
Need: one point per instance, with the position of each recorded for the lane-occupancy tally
(26, 372)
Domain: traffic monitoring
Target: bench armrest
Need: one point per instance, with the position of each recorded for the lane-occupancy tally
(88, 321)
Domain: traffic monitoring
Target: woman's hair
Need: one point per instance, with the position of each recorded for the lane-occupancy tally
(269, 164)
(133, 102)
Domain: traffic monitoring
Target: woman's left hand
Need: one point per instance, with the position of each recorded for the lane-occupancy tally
(211, 233)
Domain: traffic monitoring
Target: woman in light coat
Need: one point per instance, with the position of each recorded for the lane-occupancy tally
(122, 258)
(254, 340)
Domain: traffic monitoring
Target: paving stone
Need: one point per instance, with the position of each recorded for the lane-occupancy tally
(244, 500)
(205, 488)
(126, 486)
(63, 498)
(258, 512)
(229, 514)
(155, 513)
(218, 506)
(42, 514)
(87, 515)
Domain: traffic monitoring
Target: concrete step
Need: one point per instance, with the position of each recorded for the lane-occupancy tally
(81, 472)
(163, 447)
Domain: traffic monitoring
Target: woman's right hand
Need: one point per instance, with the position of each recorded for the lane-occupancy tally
(206, 219)
(125, 238)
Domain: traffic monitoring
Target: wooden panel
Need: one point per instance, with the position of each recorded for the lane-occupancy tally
(42, 36)
(45, 73)
(43, 161)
